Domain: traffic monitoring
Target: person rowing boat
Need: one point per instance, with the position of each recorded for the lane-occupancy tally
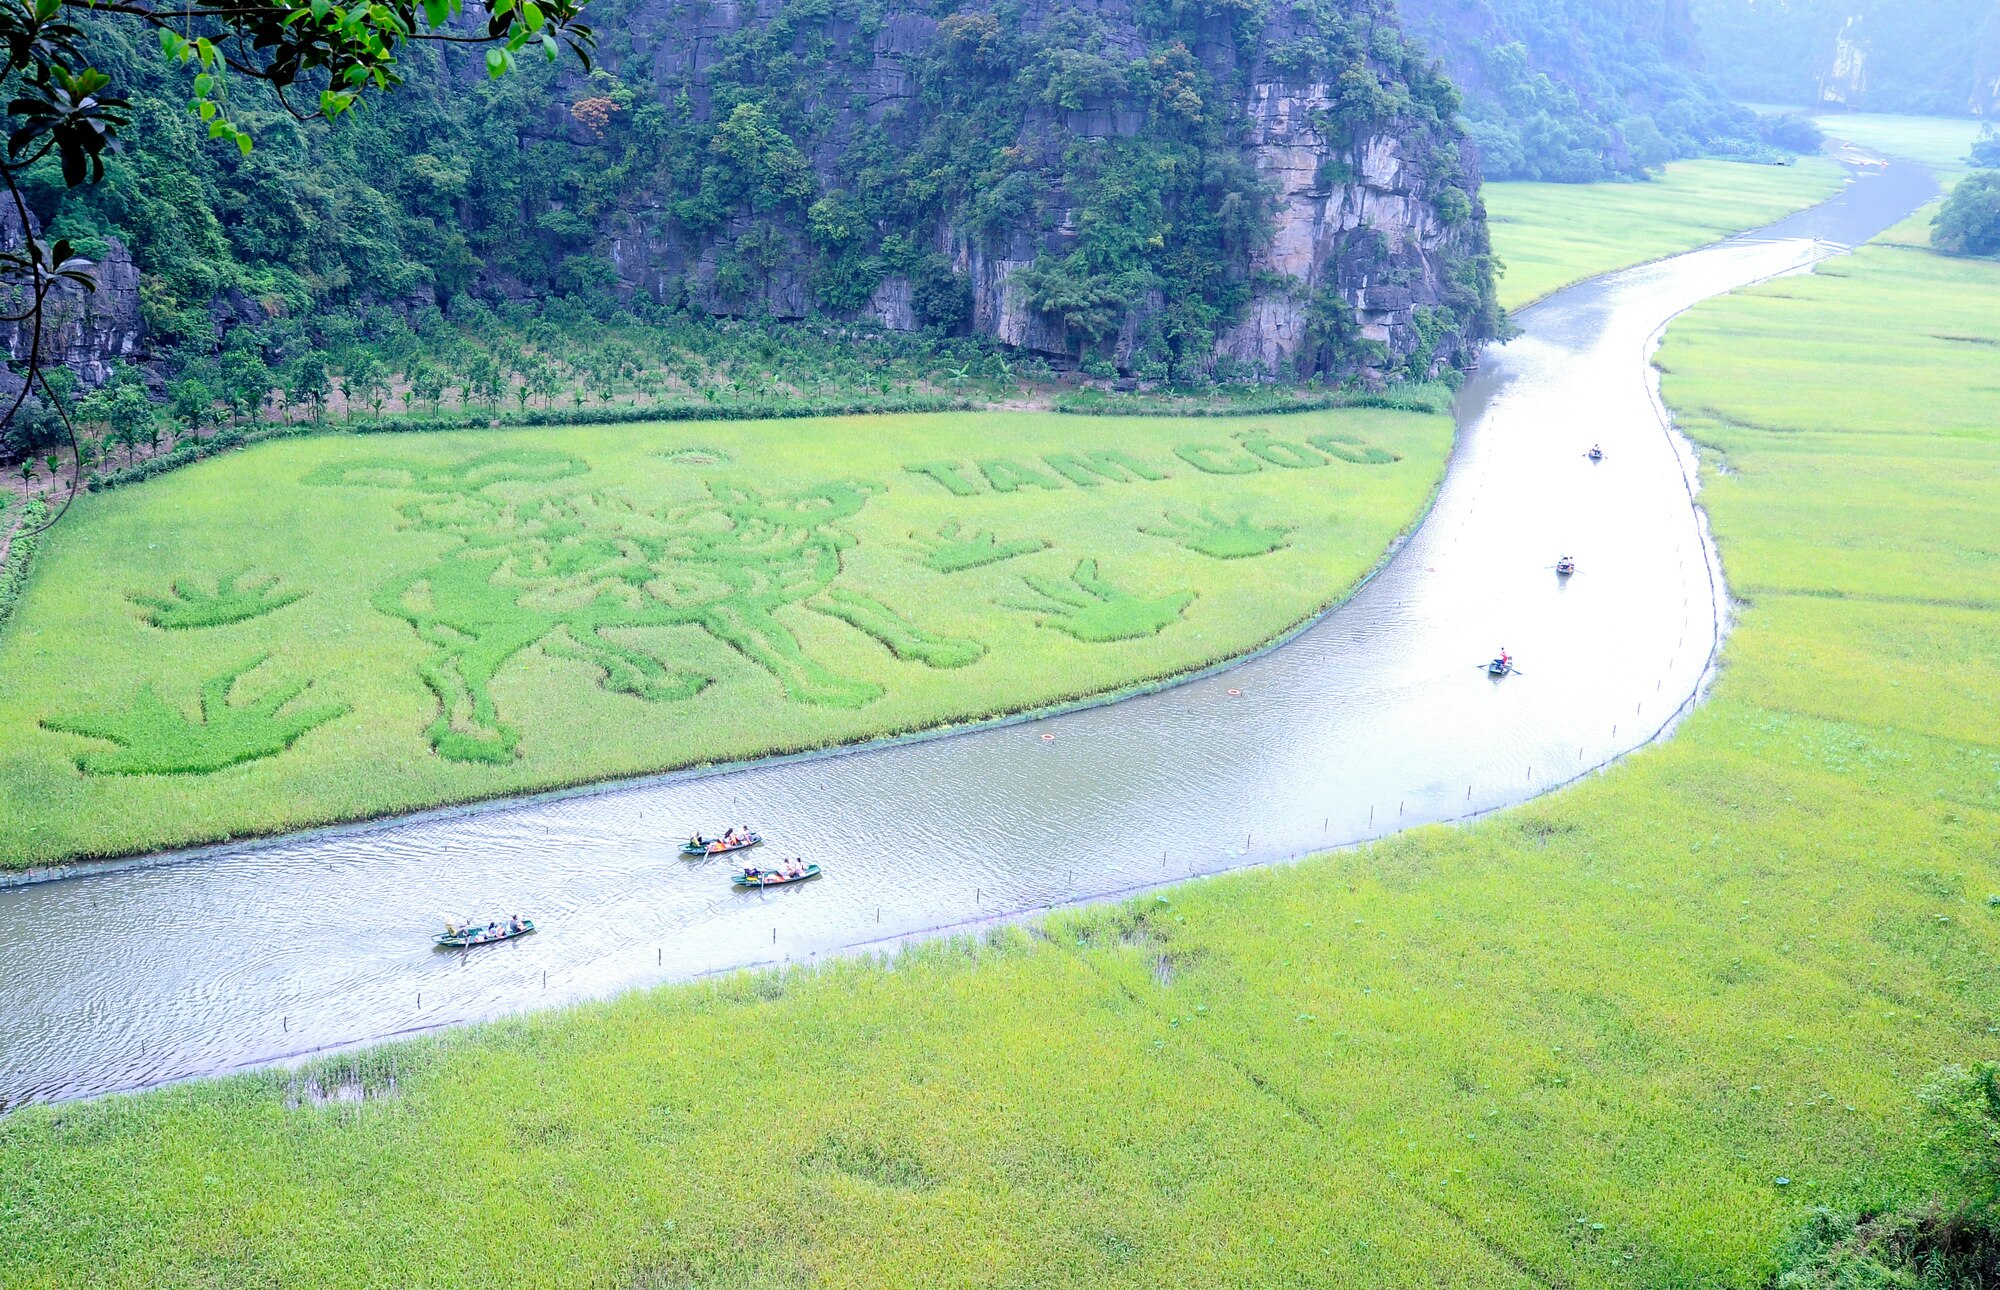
(735, 838)
(793, 870)
(459, 934)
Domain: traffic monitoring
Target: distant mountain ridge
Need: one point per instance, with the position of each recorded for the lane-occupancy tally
(1939, 57)
(1581, 90)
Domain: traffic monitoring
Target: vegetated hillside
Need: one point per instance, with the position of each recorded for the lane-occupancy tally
(1923, 56)
(1176, 189)
(1579, 90)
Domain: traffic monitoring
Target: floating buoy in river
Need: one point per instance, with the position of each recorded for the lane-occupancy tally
(1236, 694)
(1048, 739)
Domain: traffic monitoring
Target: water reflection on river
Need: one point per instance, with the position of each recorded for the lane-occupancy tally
(1378, 718)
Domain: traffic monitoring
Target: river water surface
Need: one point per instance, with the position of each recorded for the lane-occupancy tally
(1379, 717)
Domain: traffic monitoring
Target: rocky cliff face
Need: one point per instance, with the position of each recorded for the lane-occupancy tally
(87, 331)
(1847, 76)
(1357, 242)
(1375, 239)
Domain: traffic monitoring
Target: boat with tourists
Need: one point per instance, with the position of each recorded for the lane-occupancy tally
(1502, 664)
(788, 871)
(1565, 567)
(1596, 453)
(460, 934)
(731, 840)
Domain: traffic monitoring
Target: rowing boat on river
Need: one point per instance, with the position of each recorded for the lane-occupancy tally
(454, 937)
(757, 879)
(700, 846)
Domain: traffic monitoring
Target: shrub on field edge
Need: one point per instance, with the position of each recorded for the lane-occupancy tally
(1946, 1244)
(239, 437)
(1969, 222)
(1433, 397)
(20, 554)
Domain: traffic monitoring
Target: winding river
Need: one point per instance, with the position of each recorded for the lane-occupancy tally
(1378, 718)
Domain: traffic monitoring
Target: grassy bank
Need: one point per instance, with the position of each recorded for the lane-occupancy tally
(469, 614)
(1629, 1035)
(1551, 235)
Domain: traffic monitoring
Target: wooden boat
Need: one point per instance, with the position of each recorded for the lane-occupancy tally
(1596, 454)
(774, 879)
(716, 847)
(1565, 567)
(1499, 667)
(483, 934)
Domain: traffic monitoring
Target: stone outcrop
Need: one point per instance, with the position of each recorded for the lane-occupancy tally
(1376, 239)
(87, 331)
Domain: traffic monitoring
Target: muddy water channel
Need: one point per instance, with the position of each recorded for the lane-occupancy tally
(1379, 717)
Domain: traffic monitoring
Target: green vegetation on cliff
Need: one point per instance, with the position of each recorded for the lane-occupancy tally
(814, 157)
(1636, 1034)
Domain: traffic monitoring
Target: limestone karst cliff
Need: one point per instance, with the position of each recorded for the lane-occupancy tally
(1107, 182)
(1165, 188)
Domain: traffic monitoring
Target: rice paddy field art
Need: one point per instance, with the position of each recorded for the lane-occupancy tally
(476, 614)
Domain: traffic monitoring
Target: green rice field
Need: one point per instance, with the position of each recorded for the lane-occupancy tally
(1629, 1035)
(1941, 143)
(473, 614)
(1548, 236)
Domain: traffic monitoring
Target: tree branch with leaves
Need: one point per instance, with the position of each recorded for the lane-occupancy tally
(318, 57)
